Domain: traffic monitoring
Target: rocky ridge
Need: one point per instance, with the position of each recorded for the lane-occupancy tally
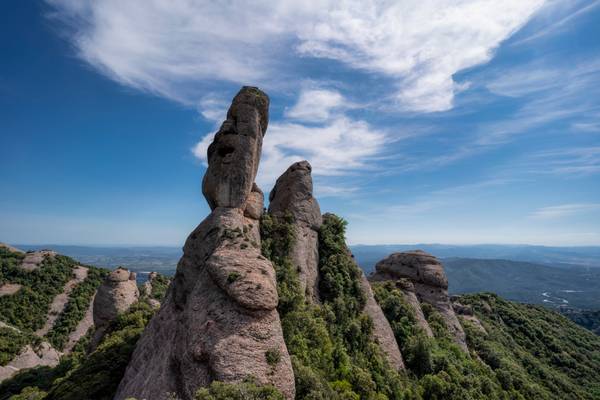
(427, 282)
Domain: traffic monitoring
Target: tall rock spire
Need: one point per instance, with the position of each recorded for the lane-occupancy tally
(219, 320)
(293, 194)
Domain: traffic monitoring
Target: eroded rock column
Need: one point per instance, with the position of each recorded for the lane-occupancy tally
(219, 319)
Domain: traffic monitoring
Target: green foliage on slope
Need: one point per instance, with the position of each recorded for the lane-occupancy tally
(248, 390)
(99, 374)
(160, 284)
(79, 301)
(528, 352)
(331, 346)
(533, 346)
(27, 309)
(11, 343)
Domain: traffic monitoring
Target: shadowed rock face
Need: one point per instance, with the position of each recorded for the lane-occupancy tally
(293, 193)
(116, 294)
(219, 318)
(234, 154)
(427, 275)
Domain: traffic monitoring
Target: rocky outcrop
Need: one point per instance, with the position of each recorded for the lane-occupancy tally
(30, 357)
(60, 301)
(427, 275)
(33, 259)
(9, 289)
(293, 194)
(11, 248)
(219, 319)
(408, 290)
(466, 313)
(116, 294)
(382, 331)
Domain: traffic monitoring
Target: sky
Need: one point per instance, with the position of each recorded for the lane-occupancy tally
(457, 122)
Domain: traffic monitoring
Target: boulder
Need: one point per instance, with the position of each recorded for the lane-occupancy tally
(427, 275)
(33, 259)
(293, 195)
(116, 294)
(219, 319)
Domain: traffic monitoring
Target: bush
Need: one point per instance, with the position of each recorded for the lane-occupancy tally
(247, 390)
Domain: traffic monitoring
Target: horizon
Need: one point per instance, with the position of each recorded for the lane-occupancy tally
(427, 124)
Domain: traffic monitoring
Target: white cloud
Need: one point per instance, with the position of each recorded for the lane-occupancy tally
(172, 48)
(316, 105)
(564, 210)
(339, 147)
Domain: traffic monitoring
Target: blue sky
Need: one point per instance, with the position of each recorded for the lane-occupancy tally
(447, 122)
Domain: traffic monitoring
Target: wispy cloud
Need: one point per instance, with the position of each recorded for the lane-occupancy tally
(557, 16)
(173, 48)
(316, 105)
(564, 210)
(565, 161)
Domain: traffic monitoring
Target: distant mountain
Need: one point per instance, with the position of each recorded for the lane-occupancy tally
(368, 255)
(526, 282)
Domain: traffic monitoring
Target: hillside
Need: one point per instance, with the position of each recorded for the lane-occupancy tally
(270, 304)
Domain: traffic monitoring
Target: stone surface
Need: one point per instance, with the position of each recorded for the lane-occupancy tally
(219, 318)
(82, 328)
(427, 275)
(33, 259)
(11, 248)
(44, 355)
(293, 194)
(60, 301)
(9, 289)
(382, 331)
(114, 296)
(234, 154)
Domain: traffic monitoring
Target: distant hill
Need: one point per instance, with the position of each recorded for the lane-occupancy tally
(368, 255)
(526, 282)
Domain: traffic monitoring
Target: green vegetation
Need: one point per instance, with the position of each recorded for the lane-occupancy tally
(88, 376)
(330, 344)
(27, 309)
(528, 352)
(99, 374)
(11, 343)
(587, 318)
(248, 390)
(79, 301)
(160, 284)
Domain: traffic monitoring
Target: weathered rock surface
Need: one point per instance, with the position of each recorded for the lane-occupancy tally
(466, 313)
(293, 194)
(9, 289)
(116, 294)
(44, 355)
(382, 331)
(60, 301)
(408, 290)
(82, 328)
(11, 248)
(33, 259)
(219, 318)
(430, 284)
(234, 154)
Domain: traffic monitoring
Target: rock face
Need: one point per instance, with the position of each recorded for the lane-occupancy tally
(43, 355)
(116, 294)
(382, 331)
(234, 154)
(427, 275)
(293, 194)
(219, 319)
(34, 259)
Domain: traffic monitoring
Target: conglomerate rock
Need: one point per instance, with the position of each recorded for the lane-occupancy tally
(114, 296)
(293, 194)
(430, 284)
(219, 319)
